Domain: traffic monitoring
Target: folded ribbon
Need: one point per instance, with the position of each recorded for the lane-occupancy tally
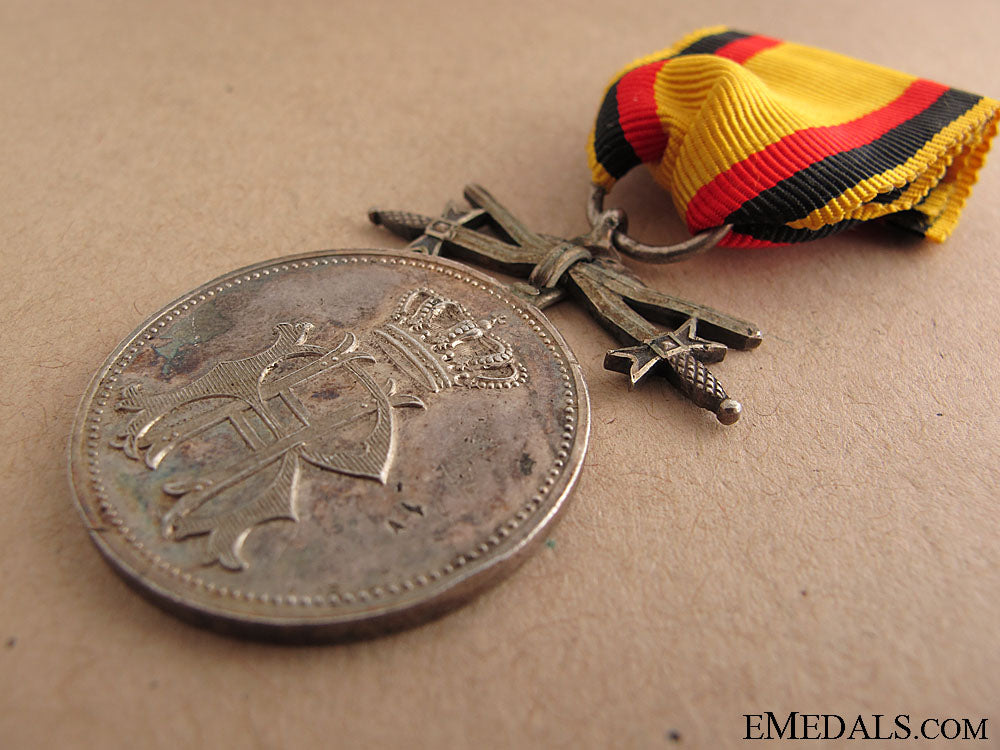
(790, 143)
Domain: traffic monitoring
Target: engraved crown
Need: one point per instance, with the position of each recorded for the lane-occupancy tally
(449, 348)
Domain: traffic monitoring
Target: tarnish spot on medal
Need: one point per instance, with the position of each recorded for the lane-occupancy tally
(526, 464)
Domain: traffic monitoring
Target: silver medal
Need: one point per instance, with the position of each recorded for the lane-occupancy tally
(329, 445)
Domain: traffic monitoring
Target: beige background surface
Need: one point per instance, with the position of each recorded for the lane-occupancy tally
(836, 551)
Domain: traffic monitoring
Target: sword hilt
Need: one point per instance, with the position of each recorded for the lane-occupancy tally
(684, 369)
(403, 224)
(692, 378)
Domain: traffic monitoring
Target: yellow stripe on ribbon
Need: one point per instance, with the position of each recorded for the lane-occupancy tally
(789, 143)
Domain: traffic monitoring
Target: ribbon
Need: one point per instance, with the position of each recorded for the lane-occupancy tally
(790, 143)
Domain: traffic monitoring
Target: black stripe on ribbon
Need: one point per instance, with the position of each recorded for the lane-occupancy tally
(912, 220)
(709, 45)
(785, 235)
(813, 187)
(611, 147)
(892, 195)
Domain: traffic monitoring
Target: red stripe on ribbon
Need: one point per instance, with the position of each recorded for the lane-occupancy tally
(743, 49)
(763, 170)
(637, 112)
(745, 241)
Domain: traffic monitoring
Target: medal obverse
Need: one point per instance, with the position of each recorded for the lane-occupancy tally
(330, 445)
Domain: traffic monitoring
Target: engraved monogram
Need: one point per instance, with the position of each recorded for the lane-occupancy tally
(349, 427)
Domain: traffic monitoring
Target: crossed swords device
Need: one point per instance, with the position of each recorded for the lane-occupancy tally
(663, 335)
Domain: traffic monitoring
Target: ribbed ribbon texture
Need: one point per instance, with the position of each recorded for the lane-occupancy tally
(790, 143)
